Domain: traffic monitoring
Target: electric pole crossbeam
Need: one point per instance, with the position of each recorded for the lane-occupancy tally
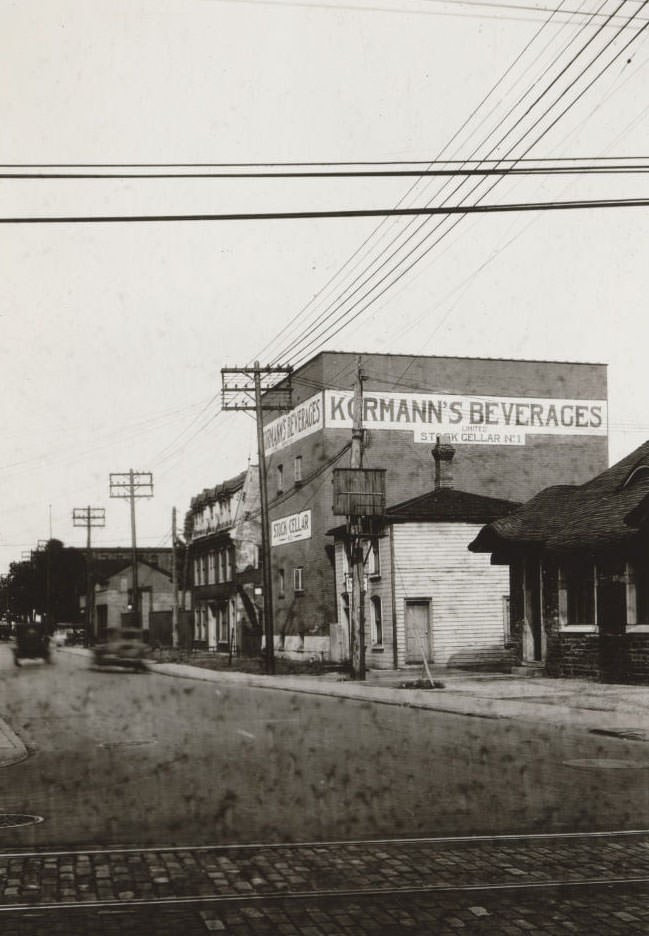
(132, 485)
(260, 389)
(89, 517)
(239, 388)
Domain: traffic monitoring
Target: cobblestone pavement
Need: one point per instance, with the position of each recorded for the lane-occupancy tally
(539, 885)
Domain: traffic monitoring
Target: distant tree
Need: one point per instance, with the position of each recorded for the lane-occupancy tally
(48, 584)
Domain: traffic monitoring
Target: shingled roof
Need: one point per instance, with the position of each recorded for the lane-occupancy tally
(608, 511)
(210, 496)
(449, 505)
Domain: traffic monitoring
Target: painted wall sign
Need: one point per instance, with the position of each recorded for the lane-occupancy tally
(291, 529)
(289, 427)
(471, 420)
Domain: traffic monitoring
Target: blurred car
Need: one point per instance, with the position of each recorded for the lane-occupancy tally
(59, 636)
(6, 630)
(31, 642)
(123, 647)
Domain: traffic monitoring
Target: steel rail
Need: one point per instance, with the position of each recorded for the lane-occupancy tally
(324, 894)
(335, 843)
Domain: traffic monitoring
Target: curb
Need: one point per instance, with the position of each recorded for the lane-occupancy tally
(12, 749)
(462, 701)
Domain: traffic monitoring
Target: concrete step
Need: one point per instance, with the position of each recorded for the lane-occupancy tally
(529, 670)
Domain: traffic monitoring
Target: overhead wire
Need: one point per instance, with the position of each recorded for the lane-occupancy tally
(359, 251)
(344, 296)
(639, 32)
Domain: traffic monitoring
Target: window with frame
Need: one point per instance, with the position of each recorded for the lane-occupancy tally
(639, 572)
(297, 469)
(374, 560)
(222, 634)
(377, 621)
(211, 571)
(280, 479)
(298, 579)
(577, 583)
(281, 583)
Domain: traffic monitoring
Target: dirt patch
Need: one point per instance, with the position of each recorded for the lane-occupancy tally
(422, 684)
(238, 664)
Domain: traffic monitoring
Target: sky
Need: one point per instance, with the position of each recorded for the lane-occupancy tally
(113, 335)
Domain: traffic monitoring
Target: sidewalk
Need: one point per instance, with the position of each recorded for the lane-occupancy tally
(617, 710)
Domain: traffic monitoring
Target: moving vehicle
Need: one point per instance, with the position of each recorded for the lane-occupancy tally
(5, 630)
(31, 642)
(123, 647)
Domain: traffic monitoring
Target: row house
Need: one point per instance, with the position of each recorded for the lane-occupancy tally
(579, 574)
(223, 534)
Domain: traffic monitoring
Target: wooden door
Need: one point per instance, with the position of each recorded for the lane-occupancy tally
(417, 627)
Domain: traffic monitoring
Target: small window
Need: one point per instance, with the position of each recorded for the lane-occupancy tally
(374, 560)
(281, 576)
(298, 579)
(223, 625)
(280, 478)
(377, 621)
(297, 468)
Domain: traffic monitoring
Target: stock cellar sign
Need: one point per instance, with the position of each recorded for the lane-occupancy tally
(475, 420)
(291, 529)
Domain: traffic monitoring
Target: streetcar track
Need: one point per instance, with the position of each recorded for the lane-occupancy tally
(335, 843)
(322, 894)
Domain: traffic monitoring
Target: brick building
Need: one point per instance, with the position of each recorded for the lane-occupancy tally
(579, 574)
(517, 426)
(223, 533)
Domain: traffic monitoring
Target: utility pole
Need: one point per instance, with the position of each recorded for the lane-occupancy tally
(89, 517)
(45, 546)
(132, 484)
(270, 390)
(174, 581)
(355, 541)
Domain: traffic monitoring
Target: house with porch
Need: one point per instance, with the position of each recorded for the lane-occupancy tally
(578, 563)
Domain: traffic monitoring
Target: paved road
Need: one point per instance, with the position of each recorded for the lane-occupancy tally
(122, 758)
(150, 760)
(545, 885)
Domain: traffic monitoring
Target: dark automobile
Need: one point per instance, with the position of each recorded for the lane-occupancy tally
(5, 630)
(31, 642)
(123, 647)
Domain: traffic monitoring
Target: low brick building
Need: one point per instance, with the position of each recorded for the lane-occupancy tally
(579, 574)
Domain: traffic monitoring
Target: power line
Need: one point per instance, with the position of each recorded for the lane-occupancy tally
(323, 336)
(345, 296)
(344, 213)
(413, 187)
(497, 168)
